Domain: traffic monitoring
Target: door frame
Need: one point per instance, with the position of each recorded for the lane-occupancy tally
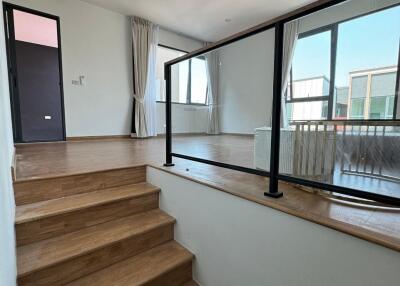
(12, 67)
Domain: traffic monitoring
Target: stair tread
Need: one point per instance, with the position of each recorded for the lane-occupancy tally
(139, 269)
(42, 254)
(35, 211)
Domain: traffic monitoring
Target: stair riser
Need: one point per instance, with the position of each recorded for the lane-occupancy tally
(57, 225)
(46, 189)
(176, 277)
(75, 268)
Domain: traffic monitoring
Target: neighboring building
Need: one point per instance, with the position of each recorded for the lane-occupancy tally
(372, 93)
(308, 99)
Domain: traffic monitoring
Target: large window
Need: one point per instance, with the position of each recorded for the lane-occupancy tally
(164, 55)
(369, 67)
(347, 70)
(308, 91)
(189, 85)
(198, 86)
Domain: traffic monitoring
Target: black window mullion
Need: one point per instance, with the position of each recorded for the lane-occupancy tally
(291, 84)
(334, 37)
(309, 99)
(189, 84)
(333, 55)
(397, 90)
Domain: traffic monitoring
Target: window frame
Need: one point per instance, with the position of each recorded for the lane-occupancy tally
(189, 89)
(334, 28)
(332, 68)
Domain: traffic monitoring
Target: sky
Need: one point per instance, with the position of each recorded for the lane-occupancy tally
(363, 43)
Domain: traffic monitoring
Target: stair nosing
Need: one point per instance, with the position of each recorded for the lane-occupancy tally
(55, 177)
(154, 190)
(170, 221)
(167, 269)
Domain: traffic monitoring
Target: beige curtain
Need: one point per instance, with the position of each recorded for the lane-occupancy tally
(145, 41)
(212, 65)
(291, 34)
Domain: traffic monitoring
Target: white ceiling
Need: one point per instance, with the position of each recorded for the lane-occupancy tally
(203, 19)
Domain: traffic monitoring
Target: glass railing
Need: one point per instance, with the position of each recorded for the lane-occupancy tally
(357, 154)
(266, 112)
(239, 104)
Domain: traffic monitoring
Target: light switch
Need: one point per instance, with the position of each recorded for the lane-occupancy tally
(47, 117)
(82, 80)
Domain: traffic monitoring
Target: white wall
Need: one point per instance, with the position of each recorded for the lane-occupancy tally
(246, 81)
(181, 42)
(97, 43)
(237, 242)
(185, 118)
(8, 272)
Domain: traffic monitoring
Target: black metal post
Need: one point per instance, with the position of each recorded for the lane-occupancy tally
(168, 121)
(276, 114)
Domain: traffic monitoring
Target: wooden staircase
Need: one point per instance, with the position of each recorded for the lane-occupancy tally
(102, 229)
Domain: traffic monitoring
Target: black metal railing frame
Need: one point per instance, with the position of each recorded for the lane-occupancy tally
(273, 174)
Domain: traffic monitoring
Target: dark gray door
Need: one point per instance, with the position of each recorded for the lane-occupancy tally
(35, 73)
(38, 80)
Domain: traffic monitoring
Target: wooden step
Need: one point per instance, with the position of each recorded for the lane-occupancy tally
(62, 259)
(43, 220)
(37, 190)
(166, 265)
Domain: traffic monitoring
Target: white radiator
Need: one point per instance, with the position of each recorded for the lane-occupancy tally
(262, 149)
(312, 155)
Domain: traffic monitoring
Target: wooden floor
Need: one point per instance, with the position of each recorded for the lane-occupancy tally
(43, 160)
(84, 156)
(54, 159)
(65, 158)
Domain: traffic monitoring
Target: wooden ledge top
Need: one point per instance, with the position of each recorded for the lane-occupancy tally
(374, 224)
